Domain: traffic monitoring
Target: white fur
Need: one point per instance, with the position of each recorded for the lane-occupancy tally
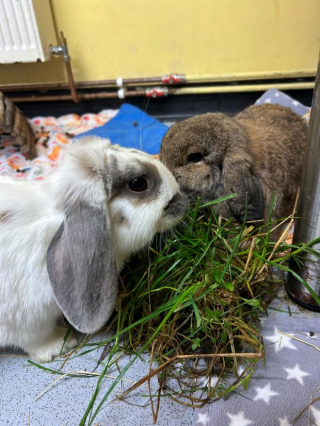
(31, 213)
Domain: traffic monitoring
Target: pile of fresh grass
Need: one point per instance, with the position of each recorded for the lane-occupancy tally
(198, 297)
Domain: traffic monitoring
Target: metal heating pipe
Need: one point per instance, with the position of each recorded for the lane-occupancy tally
(156, 92)
(308, 223)
(170, 79)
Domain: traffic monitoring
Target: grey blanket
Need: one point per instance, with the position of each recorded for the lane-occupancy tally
(274, 96)
(282, 387)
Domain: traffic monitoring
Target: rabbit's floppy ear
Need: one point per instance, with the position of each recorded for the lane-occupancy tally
(238, 177)
(82, 267)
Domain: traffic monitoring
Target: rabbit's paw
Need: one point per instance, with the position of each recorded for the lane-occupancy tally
(52, 346)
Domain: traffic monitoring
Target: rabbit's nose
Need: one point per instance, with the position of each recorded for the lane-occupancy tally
(178, 204)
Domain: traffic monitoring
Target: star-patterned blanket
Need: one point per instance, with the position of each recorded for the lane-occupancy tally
(283, 391)
(274, 96)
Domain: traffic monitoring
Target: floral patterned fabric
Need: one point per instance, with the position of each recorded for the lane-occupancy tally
(53, 135)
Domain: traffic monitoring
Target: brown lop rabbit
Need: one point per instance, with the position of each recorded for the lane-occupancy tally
(259, 151)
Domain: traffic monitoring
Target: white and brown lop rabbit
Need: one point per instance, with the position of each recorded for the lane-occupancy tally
(259, 152)
(63, 240)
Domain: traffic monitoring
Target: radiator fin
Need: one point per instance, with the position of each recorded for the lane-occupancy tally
(20, 39)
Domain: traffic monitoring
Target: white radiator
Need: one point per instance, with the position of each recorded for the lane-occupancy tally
(26, 31)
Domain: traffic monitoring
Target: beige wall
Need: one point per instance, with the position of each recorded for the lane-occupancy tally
(216, 39)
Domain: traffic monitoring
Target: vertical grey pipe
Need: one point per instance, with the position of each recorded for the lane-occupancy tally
(308, 223)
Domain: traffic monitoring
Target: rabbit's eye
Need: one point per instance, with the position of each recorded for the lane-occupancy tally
(138, 184)
(195, 157)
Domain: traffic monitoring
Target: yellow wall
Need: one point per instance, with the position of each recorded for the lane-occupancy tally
(217, 38)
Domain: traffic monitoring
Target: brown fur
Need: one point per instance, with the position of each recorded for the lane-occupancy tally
(260, 151)
(5, 217)
(119, 219)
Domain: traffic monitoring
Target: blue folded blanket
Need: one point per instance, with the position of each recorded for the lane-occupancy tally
(132, 128)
